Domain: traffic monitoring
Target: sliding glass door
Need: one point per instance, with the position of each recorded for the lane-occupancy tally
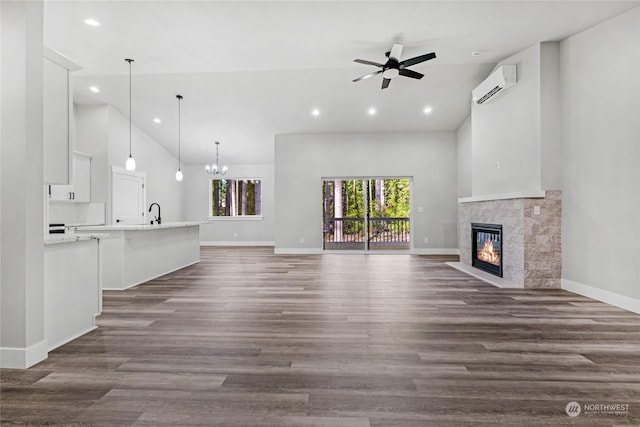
(366, 214)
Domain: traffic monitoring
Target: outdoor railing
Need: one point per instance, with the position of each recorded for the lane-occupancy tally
(378, 230)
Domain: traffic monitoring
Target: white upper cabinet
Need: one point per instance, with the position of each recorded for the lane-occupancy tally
(79, 191)
(57, 117)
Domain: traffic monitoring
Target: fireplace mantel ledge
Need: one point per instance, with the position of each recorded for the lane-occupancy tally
(516, 195)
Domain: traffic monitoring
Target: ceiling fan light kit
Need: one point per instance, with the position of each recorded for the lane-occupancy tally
(394, 67)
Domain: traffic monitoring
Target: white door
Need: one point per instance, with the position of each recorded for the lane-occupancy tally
(128, 197)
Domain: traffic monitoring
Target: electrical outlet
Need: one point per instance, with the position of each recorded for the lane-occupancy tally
(420, 209)
(536, 210)
(426, 240)
(498, 165)
(302, 240)
(235, 234)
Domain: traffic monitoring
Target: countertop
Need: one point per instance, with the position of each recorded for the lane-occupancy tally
(71, 238)
(136, 227)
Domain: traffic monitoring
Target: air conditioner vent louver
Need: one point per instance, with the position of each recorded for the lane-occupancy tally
(498, 82)
(489, 95)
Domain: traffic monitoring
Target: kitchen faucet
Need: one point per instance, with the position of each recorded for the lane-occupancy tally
(158, 218)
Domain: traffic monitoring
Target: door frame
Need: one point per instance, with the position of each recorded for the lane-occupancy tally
(366, 245)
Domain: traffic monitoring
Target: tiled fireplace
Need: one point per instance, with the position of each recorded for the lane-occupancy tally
(529, 241)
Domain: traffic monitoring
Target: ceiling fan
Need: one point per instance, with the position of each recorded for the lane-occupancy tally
(394, 67)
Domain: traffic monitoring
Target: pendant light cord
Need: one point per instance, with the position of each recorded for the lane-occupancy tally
(130, 109)
(179, 102)
(129, 61)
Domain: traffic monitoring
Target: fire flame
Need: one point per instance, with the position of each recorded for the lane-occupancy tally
(487, 253)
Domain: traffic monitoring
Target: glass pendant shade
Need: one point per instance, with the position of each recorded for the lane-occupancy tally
(179, 175)
(131, 163)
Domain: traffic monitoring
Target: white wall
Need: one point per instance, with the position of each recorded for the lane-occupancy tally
(600, 70)
(92, 137)
(236, 231)
(301, 161)
(520, 130)
(464, 161)
(103, 132)
(22, 340)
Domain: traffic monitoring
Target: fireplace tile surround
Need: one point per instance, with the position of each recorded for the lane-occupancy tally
(532, 245)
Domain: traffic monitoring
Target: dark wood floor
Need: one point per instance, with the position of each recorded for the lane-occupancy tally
(248, 338)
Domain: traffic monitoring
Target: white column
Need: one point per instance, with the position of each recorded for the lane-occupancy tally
(22, 341)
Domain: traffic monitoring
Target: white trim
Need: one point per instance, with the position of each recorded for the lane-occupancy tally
(621, 301)
(235, 218)
(368, 252)
(536, 194)
(73, 337)
(58, 58)
(436, 251)
(237, 243)
(298, 251)
(486, 277)
(124, 171)
(23, 358)
(150, 278)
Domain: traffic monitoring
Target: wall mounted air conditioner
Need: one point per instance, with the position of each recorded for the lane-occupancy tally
(497, 83)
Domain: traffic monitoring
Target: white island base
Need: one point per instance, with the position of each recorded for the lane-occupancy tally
(134, 254)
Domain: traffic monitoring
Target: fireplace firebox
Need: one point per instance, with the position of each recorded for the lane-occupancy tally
(486, 247)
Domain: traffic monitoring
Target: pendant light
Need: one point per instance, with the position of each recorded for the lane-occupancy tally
(179, 172)
(131, 162)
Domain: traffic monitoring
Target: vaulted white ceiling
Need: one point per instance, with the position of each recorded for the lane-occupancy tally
(251, 70)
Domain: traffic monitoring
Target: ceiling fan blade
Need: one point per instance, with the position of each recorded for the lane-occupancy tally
(396, 51)
(366, 76)
(365, 62)
(385, 83)
(417, 60)
(410, 73)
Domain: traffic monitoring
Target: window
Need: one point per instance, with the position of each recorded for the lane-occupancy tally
(235, 198)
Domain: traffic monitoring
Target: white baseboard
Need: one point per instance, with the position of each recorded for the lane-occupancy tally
(621, 301)
(151, 277)
(297, 251)
(436, 251)
(75, 336)
(23, 358)
(237, 243)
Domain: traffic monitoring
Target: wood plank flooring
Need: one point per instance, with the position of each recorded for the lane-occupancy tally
(249, 338)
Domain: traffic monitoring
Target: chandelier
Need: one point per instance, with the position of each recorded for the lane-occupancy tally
(213, 169)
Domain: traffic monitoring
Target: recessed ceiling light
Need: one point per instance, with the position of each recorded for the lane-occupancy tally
(92, 22)
(157, 120)
(475, 53)
(427, 110)
(315, 112)
(94, 89)
(372, 111)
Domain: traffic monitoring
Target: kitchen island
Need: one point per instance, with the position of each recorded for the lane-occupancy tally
(136, 253)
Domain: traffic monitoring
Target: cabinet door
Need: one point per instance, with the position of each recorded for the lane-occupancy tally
(81, 178)
(56, 105)
(61, 193)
